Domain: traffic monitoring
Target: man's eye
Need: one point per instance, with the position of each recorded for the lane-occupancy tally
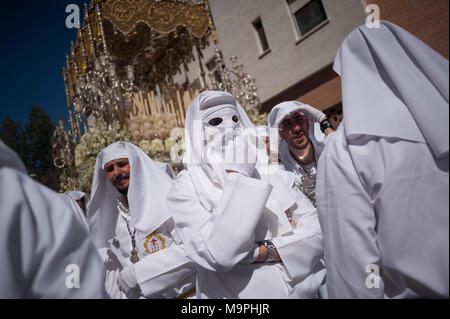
(109, 169)
(235, 118)
(215, 121)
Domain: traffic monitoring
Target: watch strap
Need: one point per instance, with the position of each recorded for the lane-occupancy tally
(325, 124)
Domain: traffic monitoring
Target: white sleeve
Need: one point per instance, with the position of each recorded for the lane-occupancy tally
(302, 249)
(348, 222)
(112, 271)
(218, 241)
(167, 272)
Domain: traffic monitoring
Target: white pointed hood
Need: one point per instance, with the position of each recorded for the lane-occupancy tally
(193, 158)
(394, 85)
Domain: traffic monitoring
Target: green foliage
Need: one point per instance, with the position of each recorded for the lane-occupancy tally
(39, 133)
(12, 134)
(33, 145)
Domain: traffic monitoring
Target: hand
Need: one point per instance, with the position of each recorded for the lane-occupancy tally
(127, 280)
(263, 252)
(246, 155)
(311, 113)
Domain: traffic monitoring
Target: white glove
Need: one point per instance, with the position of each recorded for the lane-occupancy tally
(127, 280)
(311, 113)
(246, 155)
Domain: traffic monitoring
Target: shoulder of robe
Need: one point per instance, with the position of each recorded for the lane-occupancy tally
(287, 177)
(181, 193)
(182, 188)
(12, 187)
(183, 179)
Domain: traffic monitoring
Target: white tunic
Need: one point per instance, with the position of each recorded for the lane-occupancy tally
(222, 243)
(162, 270)
(43, 244)
(384, 202)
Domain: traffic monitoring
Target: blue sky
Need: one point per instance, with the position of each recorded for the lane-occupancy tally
(34, 42)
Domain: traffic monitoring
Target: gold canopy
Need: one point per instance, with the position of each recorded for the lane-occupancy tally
(156, 37)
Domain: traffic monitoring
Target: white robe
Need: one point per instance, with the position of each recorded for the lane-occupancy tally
(39, 238)
(222, 243)
(163, 274)
(391, 211)
(382, 184)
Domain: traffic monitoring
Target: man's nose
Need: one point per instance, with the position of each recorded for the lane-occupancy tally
(117, 171)
(296, 128)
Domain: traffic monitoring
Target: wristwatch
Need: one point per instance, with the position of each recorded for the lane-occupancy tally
(271, 250)
(325, 124)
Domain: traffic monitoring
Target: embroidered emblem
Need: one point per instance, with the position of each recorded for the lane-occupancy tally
(154, 242)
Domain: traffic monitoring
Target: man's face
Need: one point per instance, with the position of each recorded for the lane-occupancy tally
(294, 130)
(118, 173)
(267, 142)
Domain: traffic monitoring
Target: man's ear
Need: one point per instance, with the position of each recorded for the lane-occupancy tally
(280, 133)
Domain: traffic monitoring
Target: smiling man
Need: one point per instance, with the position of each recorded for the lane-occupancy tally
(131, 225)
(118, 173)
(299, 146)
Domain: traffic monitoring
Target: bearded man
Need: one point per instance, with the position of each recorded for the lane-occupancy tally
(131, 225)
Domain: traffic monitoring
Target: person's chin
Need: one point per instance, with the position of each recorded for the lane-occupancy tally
(123, 190)
(301, 144)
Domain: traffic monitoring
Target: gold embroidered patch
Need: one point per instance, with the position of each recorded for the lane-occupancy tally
(154, 242)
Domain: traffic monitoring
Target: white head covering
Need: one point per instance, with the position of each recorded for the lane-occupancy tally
(78, 195)
(9, 158)
(72, 197)
(113, 152)
(147, 192)
(276, 116)
(394, 85)
(202, 174)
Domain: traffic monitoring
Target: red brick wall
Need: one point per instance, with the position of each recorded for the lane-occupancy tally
(426, 19)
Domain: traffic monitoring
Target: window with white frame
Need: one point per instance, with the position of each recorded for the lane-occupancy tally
(307, 14)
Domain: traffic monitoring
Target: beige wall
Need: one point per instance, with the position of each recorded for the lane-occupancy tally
(288, 61)
(279, 73)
